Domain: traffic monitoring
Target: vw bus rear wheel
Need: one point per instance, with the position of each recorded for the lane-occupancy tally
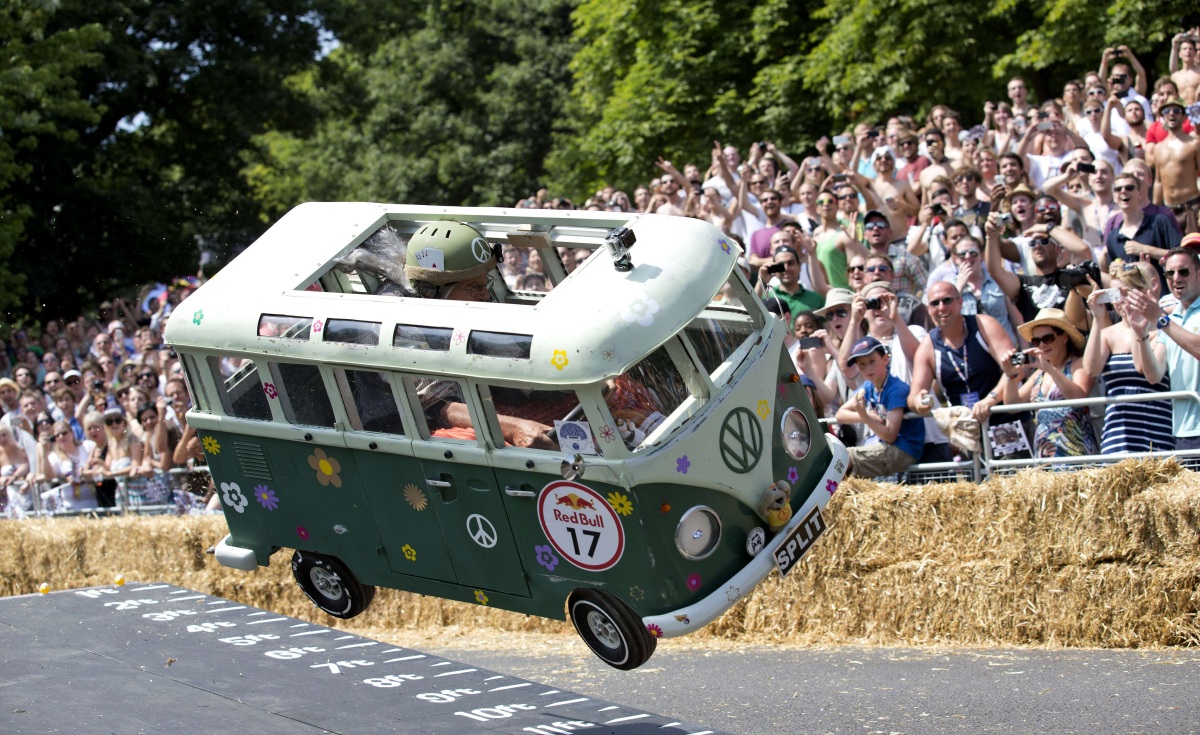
(330, 584)
(610, 628)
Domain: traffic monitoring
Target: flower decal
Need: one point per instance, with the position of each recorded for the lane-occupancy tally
(546, 557)
(733, 593)
(641, 310)
(266, 497)
(620, 503)
(327, 468)
(415, 497)
(725, 246)
(559, 360)
(607, 433)
(782, 390)
(684, 619)
(636, 593)
(269, 389)
(793, 475)
(831, 486)
(302, 532)
(197, 316)
(459, 337)
(609, 353)
(409, 552)
(683, 464)
(211, 445)
(693, 582)
(318, 325)
(654, 630)
(764, 409)
(480, 597)
(232, 496)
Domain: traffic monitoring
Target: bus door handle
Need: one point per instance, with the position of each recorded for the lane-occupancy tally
(518, 492)
(444, 487)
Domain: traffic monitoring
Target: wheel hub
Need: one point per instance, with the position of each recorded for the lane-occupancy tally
(603, 629)
(326, 582)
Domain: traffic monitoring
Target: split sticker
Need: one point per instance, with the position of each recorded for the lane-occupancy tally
(581, 525)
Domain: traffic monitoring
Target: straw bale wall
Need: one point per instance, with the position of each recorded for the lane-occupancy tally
(1104, 557)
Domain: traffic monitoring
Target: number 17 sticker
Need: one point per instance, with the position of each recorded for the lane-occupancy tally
(581, 525)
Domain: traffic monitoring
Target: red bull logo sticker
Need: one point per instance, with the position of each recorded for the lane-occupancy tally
(581, 525)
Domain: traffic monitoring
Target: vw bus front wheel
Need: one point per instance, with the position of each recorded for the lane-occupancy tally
(610, 628)
(330, 584)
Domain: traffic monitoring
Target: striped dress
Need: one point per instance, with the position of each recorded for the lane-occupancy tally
(1134, 427)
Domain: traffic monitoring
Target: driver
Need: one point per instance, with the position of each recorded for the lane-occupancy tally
(452, 260)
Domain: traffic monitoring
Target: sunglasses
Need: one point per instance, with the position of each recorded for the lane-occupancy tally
(1094, 111)
(932, 141)
(855, 268)
(875, 226)
(943, 302)
(1171, 111)
(879, 269)
(73, 381)
(968, 254)
(761, 199)
(906, 142)
(1047, 208)
(1046, 340)
(842, 148)
(838, 313)
(846, 197)
(1182, 273)
(61, 434)
(1041, 242)
(1125, 187)
(814, 168)
(825, 201)
(113, 421)
(940, 192)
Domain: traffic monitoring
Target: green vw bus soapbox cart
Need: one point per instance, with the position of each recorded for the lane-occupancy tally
(634, 445)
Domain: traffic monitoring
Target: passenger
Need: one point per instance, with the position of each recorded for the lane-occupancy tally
(453, 261)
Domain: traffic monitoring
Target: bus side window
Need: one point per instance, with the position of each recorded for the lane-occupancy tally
(241, 390)
(505, 406)
(443, 407)
(369, 401)
(641, 398)
(302, 394)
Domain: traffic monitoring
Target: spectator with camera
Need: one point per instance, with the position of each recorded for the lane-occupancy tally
(893, 442)
(781, 279)
(1179, 333)
(1095, 211)
(1124, 85)
(1057, 375)
(833, 245)
(1143, 426)
(927, 239)
(1048, 286)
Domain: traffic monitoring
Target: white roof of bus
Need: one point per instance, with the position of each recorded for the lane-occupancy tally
(599, 319)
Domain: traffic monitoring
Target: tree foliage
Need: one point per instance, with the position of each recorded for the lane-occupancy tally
(148, 109)
(456, 106)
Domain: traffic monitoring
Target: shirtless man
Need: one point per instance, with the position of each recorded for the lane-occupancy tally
(935, 148)
(899, 201)
(1018, 93)
(1177, 160)
(1185, 64)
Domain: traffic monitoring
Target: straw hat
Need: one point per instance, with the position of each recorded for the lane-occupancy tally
(1019, 190)
(834, 298)
(1053, 318)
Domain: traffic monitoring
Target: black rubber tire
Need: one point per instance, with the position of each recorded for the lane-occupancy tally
(610, 628)
(330, 585)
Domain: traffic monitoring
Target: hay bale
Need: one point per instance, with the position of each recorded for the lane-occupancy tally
(1104, 557)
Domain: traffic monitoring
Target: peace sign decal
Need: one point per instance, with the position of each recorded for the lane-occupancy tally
(482, 531)
(481, 250)
(741, 440)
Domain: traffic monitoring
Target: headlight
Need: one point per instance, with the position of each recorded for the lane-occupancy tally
(698, 532)
(797, 438)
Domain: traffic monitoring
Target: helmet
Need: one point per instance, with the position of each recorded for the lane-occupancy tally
(448, 252)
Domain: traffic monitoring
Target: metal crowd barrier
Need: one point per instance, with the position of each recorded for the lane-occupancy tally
(126, 502)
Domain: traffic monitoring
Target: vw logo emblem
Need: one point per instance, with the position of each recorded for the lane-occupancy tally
(741, 440)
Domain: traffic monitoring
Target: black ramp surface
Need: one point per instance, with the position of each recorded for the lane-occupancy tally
(155, 658)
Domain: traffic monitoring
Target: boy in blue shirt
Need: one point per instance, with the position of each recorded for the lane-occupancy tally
(896, 442)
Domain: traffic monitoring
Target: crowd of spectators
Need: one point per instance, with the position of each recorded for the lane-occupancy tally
(1026, 253)
(91, 401)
